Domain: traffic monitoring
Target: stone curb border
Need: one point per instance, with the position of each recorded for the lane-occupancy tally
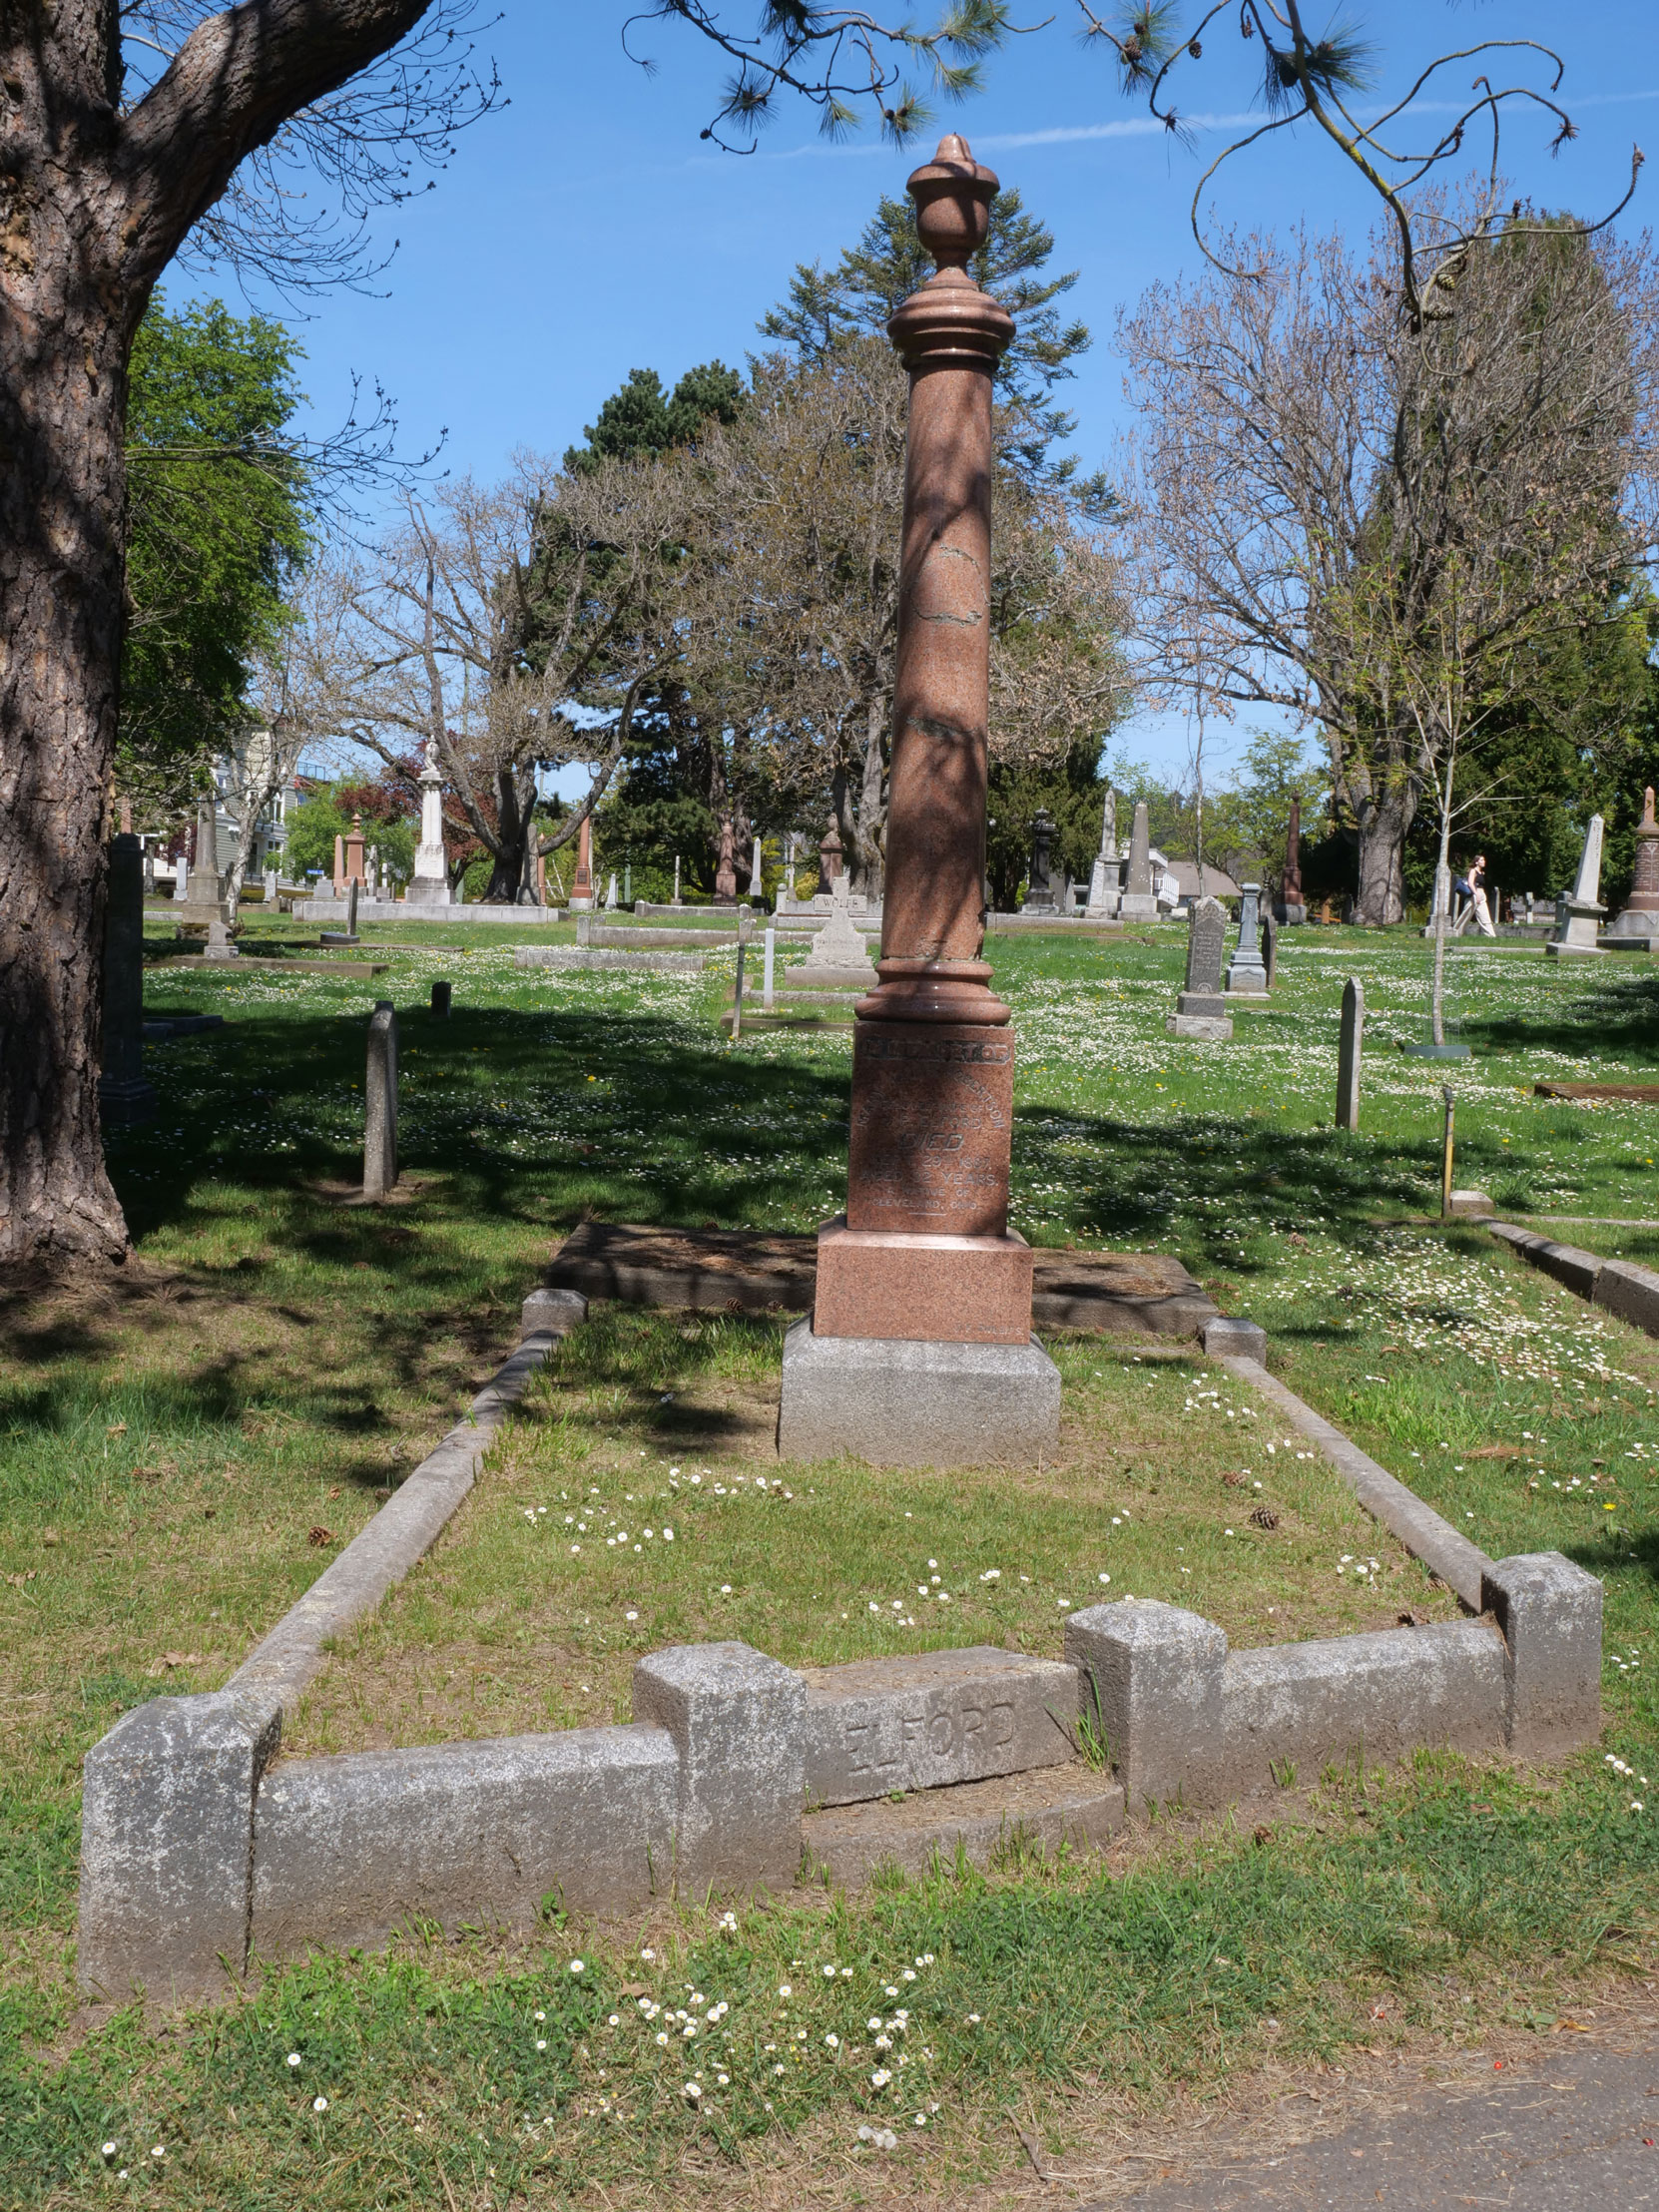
(166, 1844)
(1442, 1549)
(286, 1661)
(1619, 1287)
(199, 1854)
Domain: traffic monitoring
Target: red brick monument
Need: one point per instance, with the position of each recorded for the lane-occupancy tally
(919, 1349)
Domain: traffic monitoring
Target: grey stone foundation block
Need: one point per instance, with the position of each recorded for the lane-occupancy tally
(1244, 1340)
(595, 956)
(167, 1847)
(1550, 1613)
(552, 1312)
(347, 1850)
(943, 1717)
(1202, 1028)
(1630, 1292)
(1152, 1687)
(737, 1720)
(1377, 1695)
(899, 1404)
(1057, 1806)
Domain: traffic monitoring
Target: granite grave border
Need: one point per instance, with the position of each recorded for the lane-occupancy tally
(203, 1855)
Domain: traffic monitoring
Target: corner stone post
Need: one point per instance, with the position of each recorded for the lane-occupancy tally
(167, 1847)
(1551, 1614)
(738, 1724)
(1152, 1686)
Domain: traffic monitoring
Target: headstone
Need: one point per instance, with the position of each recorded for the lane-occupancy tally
(1349, 1051)
(789, 865)
(581, 892)
(124, 1094)
(837, 960)
(1039, 892)
(219, 946)
(756, 888)
(270, 887)
(429, 885)
(204, 893)
(149, 873)
(1137, 902)
(1639, 923)
(354, 872)
(1104, 879)
(1270, 947)
(627, 884)
(768, 972)
(676, 879)
(351, 891)
(1246, 977)
(1292, 908)
(441, 989)
(1201, 1009)
(919, 1347)
(380, 1102)
(1579, 914)
(611, 894)
(725, 864)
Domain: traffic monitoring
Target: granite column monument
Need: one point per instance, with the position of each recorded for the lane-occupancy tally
(1637, 928)
(919, 1349)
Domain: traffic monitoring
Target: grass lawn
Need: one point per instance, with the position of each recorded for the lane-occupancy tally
(180, 1454)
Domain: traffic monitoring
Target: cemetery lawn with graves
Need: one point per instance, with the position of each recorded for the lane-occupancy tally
(182, 1449)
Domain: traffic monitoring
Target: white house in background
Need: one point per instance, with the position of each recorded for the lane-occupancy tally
(1178, 886)
(249, 766)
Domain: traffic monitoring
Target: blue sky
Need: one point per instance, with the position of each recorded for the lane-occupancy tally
(587, 231)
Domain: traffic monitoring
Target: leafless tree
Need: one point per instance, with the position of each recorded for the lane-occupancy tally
(795, 592)
(1318, 478)
(518, 628)
(127, 125)
(842, 60)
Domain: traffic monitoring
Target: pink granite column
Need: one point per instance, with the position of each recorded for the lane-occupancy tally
(924, 1252)
(581, 889)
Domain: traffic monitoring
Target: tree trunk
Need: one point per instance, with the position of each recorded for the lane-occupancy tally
(512, 875)
(1382, 825)
(62, 515)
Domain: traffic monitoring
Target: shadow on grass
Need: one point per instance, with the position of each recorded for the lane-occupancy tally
(1624, 1022)
(456, 1123)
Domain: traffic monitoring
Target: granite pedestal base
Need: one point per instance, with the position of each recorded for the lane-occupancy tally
(902, 1403)
(1205, 1028)
(1578, 925)
(1138, 906)
(884, 1284)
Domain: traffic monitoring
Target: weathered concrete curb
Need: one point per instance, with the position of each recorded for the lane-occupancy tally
(199, 1853)
(1189, 1721)
(169, 1797)
(289, 1659)
(600, 956)
(1457, 1562)
(1618, 1287)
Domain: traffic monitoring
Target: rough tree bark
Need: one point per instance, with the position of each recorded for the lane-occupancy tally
(93, 205)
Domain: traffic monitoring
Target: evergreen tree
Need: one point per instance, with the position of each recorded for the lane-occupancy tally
(640, 419)
(825, 308)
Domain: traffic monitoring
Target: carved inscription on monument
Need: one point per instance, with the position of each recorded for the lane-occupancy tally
(932, 1106)
(916, 1724)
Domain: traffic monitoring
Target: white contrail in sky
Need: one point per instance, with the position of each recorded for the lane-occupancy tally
(1147, 125)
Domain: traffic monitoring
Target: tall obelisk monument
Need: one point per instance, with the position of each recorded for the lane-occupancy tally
(919, 1349)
